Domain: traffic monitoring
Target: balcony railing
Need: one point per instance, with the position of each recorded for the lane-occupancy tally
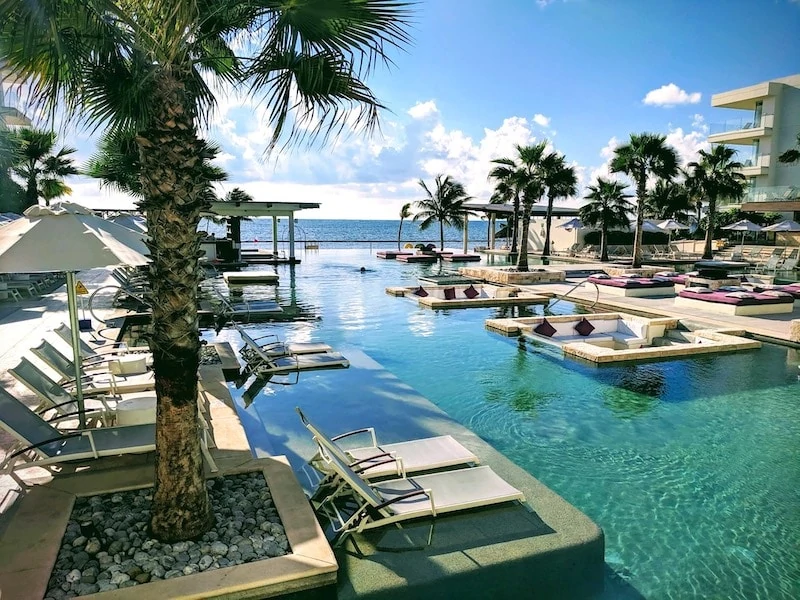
(756, 161)
(776, 193)
(742, 124)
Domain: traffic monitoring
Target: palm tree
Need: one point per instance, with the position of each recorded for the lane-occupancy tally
(12, 196)
(445, 205)
(507, 189)
(42, 170)
(716, 176)
(144, 68)
(405, 213)
(608, 207)
(792, 155)
(237, 195)
(668, 200)
(561, 182)
(645, 155)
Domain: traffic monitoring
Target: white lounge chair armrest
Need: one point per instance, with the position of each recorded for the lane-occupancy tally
(88, 433)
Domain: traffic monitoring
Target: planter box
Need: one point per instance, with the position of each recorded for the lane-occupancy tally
(507, 277)
(32, 540)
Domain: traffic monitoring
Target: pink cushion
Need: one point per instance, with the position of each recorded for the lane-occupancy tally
(471, 292)
(420, 291)
(584, 328)
(545, 328)
(450, 293)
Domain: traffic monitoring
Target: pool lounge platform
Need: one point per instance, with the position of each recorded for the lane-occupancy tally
(393, 254)
(417, 258)
(510, 277)
(246, 277)
(454, 296)
(735, 309)
(456, 257)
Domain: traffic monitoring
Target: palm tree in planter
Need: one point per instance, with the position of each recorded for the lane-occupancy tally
(405, 213)
(143, 68)
(645, 155)
(608, 207)
(716, 176)
(508, 190)
(445, 205)
(561, 182)
(41, 167)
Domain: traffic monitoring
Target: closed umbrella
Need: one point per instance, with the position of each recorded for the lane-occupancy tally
(67, 237)
(787, 225)
(744, 226)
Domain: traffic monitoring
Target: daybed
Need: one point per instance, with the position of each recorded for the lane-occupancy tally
(393, 254)
(608, 330)
(467, 296)
(736, 303)
(633, 287)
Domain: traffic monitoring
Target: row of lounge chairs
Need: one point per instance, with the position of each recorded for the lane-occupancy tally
(649, 252)
(778, 259)
(14, 285)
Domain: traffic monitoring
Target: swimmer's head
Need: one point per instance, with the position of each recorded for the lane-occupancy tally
(363, 269)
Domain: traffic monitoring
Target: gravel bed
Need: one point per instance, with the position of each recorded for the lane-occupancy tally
(209, 356)
(106, 545)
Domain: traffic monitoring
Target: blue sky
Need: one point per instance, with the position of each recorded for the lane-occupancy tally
(483, 75)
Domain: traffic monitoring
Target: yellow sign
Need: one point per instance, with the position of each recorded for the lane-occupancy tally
(80, 289)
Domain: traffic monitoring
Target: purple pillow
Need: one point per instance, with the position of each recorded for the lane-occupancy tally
(420, 291)
(545, 328)
(450, 293)
(584, 328)
(471, 292)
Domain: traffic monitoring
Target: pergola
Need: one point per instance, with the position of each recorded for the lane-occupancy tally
(506, 211)
(258, 208)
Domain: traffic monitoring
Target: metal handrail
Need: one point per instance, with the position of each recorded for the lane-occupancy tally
(130, 293)
(575, 287)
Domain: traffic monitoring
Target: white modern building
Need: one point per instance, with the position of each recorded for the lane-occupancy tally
(10, 117)
(768, 125)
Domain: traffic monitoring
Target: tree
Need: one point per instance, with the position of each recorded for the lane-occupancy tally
(645, 155)
(507, 189)
(405, 213)
(561, 182)
(12, 196)
(668, 200)
(42, 169)
(792, 155)
(237, 195)
(608, 207)
(143, 68)
(445, 205)
(716, 177)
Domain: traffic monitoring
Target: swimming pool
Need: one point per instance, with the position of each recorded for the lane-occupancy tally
(689, 466)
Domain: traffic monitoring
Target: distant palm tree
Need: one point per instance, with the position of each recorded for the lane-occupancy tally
(716, 176)
(792, 155)
(405, 213)
(508, 189)
(445, 205)
(237, 195)
(42, 168)
(608, 207)
(561, 182)
(645, 155)
(669, 200)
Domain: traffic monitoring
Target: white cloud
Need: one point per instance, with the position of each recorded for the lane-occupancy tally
(541, 120)
(699, 121)
(688, 144)
(423, 110)
(670, 95)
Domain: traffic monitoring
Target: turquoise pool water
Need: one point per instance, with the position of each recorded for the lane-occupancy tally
(690, 466)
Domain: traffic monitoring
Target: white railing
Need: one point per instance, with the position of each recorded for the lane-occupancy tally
(742, 124)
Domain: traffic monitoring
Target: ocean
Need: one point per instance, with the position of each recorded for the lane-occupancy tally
(341, 233)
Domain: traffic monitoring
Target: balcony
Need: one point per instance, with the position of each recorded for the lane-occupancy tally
(780, 198)
(755, 166)
(741, 131)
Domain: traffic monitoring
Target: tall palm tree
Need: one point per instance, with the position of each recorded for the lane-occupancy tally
(445, 205)
(507, 189)
(645, 155)
(561, 182)
(12, 195)
(405, 213)
(41, 167)
(145, 67)
(668, 200)
(717, 176)
(237, 195)
(792, 155)
(608, 207)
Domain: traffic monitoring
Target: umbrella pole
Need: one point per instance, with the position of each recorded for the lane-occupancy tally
(72, 304)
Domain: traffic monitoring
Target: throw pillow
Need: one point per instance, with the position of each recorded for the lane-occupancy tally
(584, 328)
(740, 295)
(450, 293)
(545, 328)
(471, 292)
(420, 291)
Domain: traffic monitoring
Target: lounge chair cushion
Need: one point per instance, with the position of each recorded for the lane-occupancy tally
(740, 295)
(450, 293)
(777, 293)
(545, 328)
(584, 327)
(471, 292)
(668, 274)
(699, 290)
(732, 288)
(420, 291)
(599, 276)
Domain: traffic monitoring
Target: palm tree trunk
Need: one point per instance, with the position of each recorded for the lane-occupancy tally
(522, 257)
(604, 243)
(637, 240)
(548, 222)
(172, 180)
(708, 253)
(515, 228)
(399, 233)
(31, 189)
(441, 234)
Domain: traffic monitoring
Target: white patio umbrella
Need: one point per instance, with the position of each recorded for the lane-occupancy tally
(787, 225)
(135, 222)
(671, 225)
(574, 223)
(67, 237)
(744, 226)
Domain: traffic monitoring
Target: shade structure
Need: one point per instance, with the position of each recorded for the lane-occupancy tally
(787, 225)
(134, 222)
(574, 223)
(744, 226)
(67, 237)
(672, 225)
(648, 225)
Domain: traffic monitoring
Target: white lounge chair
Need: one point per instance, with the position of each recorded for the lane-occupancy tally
(384, 460)
(359, 505)
(41, 445)
(276, 348)
(88, 353)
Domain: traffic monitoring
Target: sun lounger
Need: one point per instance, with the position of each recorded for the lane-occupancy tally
(284, 365)
(373, 505)
(40, 444)
(736, 303)
(384, 460)
(276, 348)
(104, 353)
